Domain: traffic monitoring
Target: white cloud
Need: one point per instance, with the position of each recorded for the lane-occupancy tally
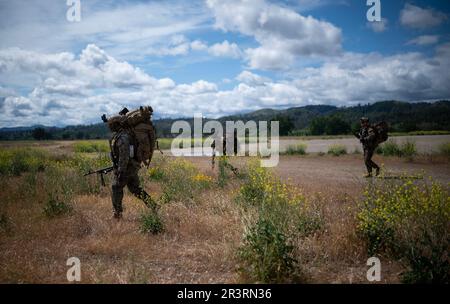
(252, 78)
(282, 34)
(225, 49)
(379, 26)
(420, 18)
(127, 29)
(70, 89)
(424, 40)
(198, 45)
(198, 87)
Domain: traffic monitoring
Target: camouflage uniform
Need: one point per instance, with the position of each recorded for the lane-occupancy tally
(367, 136)
(126, 170)
(224, 159)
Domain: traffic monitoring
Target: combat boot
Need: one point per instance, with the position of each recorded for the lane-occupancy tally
(117, 216)
(148, 201)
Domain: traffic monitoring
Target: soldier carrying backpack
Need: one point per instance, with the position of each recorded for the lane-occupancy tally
(371, 136)
(132, 144)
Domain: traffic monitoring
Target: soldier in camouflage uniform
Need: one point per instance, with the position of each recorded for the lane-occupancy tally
(126, 170)
(367, 136)
(223, 159)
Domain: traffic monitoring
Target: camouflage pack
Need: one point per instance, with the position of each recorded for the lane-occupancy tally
(381, 129)
(139, 124)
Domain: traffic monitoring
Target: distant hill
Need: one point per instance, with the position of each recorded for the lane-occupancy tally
(402, 117)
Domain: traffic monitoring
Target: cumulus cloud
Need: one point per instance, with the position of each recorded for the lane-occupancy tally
(379, 26)
(71, 89)
(252, 78)
(221, 49)
(424, 40)
(198, 45)
(420, 18)
(282, 33)
(225, 49)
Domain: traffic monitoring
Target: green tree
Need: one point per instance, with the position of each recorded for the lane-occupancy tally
(286, 124)
(336, 126)
(317, 126)
(40, 134)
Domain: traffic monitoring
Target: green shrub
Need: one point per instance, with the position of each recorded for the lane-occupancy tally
(309, 220)
(19, 160)
(182, 181)
(266, 254)
(444, 149)
(253, 192)
(225, 168)
(407, 149)
(337, 150)
(54, 208)
(156, 173)
(410, 221)
(299, 149)
(151, 223)
(91, 146)
(278, 215)
(389, 148)
(71, 171)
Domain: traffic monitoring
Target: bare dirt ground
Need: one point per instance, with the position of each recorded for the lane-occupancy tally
(343, 174)
(426, 144)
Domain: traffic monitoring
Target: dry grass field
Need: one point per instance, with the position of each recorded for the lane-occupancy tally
(312, 219)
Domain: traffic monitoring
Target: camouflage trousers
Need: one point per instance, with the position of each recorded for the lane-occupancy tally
(370, 164)
(130, 179)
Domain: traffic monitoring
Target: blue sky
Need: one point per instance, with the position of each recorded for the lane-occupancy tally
(215, 57)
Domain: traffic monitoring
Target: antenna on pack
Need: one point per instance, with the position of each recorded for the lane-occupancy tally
(124, 111)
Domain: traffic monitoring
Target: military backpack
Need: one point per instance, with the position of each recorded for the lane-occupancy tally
(140, 127)
(381, 130)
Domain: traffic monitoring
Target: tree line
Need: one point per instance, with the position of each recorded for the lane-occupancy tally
(308, 120)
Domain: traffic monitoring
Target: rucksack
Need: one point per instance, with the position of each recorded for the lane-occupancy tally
(139, 125)
(381, 130)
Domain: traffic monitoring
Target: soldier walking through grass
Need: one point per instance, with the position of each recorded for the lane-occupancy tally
(126, 170)
(368, 137)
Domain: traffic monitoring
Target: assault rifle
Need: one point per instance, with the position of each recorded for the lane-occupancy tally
(101, 172)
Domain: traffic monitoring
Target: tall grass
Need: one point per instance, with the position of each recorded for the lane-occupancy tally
(180, 180)
(276, 215)
(444, 149)
(150, 222)
(299, 149)
(19, 160)
(337, 150)
(91, 146)
(410, 221)
(407, 149)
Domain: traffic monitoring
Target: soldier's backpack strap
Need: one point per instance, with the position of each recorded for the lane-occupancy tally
(112, 147)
